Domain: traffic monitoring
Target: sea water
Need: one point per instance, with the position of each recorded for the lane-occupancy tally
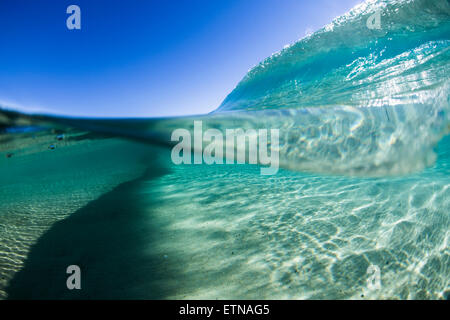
(363, 188)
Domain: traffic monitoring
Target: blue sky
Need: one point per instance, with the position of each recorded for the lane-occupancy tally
(140, 58)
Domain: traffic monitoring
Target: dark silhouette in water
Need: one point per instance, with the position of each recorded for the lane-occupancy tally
(110, 239)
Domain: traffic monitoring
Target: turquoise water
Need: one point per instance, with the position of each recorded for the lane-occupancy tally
(364, 150)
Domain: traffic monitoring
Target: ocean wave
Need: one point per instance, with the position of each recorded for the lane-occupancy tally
(347, 99)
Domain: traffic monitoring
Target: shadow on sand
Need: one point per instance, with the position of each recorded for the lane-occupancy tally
(110, 239)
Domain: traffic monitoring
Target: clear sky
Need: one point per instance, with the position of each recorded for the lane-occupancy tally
(143, 58)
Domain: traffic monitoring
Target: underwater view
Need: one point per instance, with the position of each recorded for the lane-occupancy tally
(356, 204)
